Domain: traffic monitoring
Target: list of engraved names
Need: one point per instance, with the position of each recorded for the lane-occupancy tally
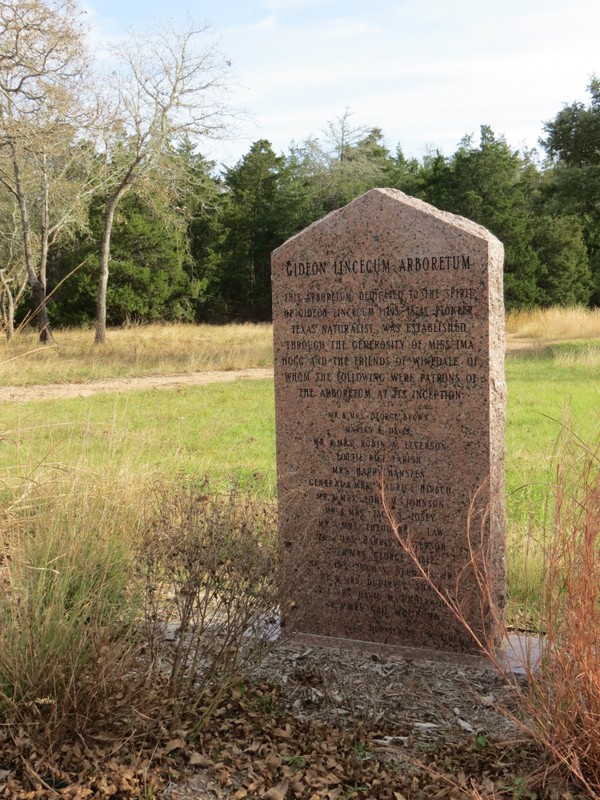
(385, 363)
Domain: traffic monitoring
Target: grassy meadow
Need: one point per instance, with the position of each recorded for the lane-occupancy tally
(119, 445)
(224, 430)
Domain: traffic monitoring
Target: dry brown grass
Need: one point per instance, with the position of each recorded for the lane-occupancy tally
(554, 323)
(128, 352)
(560, 703)
(564, 695)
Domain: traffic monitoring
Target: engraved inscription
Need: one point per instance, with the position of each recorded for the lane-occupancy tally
(382, 365)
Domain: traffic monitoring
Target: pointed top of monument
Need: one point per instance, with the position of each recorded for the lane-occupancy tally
(389, 208)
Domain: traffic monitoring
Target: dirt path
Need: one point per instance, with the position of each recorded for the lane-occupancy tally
(54, 391)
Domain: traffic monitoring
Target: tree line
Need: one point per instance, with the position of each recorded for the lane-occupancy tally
(110, 213)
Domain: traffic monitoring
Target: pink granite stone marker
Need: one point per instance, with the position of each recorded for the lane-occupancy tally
(389, 354)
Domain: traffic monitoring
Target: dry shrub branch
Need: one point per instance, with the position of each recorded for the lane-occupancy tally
(209, 568)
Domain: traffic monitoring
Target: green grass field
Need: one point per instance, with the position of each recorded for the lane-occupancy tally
(225, 431)
(545, 394)
(553, 400)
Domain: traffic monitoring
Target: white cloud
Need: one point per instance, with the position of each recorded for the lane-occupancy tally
(294, 5)
(422, 70)
(342, 28)
(104, 31)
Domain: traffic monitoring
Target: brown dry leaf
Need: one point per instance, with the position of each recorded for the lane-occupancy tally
(198, 760)
(273, 761)
(173, 744)
(83, 793)
(399, 796)
(278, 792)
(297, 786)
(283, 733)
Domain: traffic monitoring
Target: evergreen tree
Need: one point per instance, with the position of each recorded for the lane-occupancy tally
(406, 174)
(573, 144)
(488, 184)
(254, 225)
(149, 278)
(204, 200)
(565, 277)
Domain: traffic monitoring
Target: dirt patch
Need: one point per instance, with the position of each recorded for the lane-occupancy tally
(525, 344)
(309, 724)
(61, 391)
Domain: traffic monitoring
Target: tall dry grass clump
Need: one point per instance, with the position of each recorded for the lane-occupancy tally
(564, 692)
(135, 351)
(67, 607)
(576, 322)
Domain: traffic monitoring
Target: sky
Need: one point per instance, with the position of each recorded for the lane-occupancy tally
(426, 72)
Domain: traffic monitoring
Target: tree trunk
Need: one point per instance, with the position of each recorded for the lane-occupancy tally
(41, 312)
(9, 319)
(107, 224)
(42, 318)
(38, 289)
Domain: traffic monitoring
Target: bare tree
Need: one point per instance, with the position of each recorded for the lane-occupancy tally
(347, 161)
(13, 275)
(42, 66)
(170, 87)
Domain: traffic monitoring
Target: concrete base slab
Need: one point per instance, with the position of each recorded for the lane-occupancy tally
(520, 653)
